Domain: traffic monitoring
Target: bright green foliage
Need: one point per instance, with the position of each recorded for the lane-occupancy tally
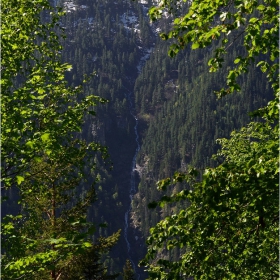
(49, 226)
(250, 24)
(230, 228)
(39, 111)
(42, 155)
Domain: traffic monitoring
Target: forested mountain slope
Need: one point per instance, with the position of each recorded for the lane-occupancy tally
(114, 40)
(220, 224)
(177, 101)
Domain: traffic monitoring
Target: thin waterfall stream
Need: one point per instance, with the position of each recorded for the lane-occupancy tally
(132, 189)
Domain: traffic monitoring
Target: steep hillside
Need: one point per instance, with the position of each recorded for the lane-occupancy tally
(114, 40)
(175, 98)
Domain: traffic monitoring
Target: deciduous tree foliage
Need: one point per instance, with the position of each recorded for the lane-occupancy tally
(43, 157)
(252, 25)
(40, 113)
(230, 229)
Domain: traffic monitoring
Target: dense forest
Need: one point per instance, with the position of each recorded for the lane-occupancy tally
(100, 116)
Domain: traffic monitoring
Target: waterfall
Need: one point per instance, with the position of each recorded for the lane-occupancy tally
(132, 189)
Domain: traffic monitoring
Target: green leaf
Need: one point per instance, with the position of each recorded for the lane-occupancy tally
(30, 144)
(87, 244)
(20, 179)
(261, 7)
(237, 60)
(195, 45)
(45, 137)
(41, 91)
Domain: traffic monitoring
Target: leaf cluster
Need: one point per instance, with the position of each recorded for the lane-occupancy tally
(43, 155)
(251, 24)
(230, 228)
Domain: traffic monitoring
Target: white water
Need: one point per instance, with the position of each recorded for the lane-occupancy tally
(132, 189)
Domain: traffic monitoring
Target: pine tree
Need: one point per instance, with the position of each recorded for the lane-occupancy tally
(43, 156)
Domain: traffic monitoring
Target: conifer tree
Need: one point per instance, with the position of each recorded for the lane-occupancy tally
(44, 158)
(128, 271)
